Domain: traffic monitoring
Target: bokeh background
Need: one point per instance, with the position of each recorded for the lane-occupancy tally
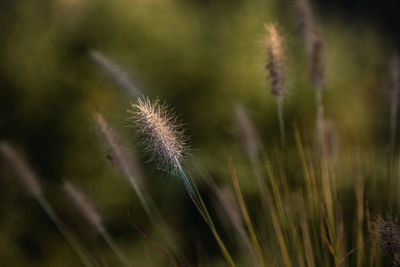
(202, 57)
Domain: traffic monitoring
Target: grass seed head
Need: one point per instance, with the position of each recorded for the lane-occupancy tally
(305, 17)
(20, 168)
(123, 159)
(115, 72)
(162, 135)
(387, 234)
(275, 63)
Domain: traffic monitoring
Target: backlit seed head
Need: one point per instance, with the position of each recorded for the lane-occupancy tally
(275, 62)
(118, 154)
(162, 135)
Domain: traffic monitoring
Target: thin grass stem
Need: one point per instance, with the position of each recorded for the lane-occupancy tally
(198, 202)
(114, 247)
(281, 122)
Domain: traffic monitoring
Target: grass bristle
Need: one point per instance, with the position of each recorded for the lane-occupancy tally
(162, 135)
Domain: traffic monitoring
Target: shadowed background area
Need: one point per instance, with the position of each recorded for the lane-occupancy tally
(201, 57)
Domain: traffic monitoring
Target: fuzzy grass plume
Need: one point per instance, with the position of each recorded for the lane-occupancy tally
(20, 169)
(123, 159)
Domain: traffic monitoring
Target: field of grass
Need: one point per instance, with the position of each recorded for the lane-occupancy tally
(196, 133)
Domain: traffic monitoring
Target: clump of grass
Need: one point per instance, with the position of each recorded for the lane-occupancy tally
(20, 168)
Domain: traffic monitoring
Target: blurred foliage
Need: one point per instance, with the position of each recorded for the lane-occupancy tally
(202, 57)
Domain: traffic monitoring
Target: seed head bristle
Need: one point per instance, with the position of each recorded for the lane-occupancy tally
(19, 166)
(276, 59)
(387, 234)
(247, 132)
(84, 205)
(123, 159)
(162, 135)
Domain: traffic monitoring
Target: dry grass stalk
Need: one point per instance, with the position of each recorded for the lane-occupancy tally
(115, 72)
(161, 133)
(306, 23)
(20, 168)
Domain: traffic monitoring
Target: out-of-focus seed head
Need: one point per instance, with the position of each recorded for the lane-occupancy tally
(115, 72)
(162, 135)
(20, 168)
(306, 22)
(330, 139)
(275, 62)
(387, 234)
